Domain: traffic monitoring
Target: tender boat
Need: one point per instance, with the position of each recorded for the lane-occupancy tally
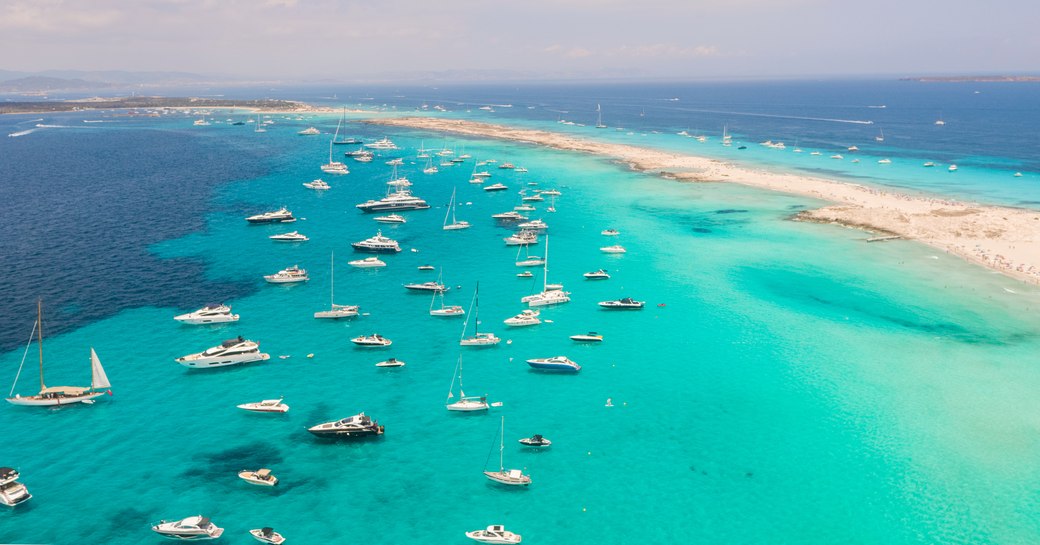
(266, 406)
(260, 477)
(525, 318)
(12, 492)
(358, 425)
(610, 232)
(495, 187)
(291, 236)
(556, 363)
(392, 218)
(288, 275)
(374, 340)
(495, 533)
(535, 440)
(309, 131)
(213, 313)
(427, 286)
(267, 535)
(282, 215)
(511, 477)
(590, 337)
(597, 275)
(392, 362)
(367, 263)
(377, 244)
(615, 249)
(318, 184)
(229, 352)
(194, 528)
(623, 304)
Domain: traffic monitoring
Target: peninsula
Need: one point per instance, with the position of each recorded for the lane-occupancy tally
(150, 103)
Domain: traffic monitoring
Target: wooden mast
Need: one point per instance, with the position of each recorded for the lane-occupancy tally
(39, 322)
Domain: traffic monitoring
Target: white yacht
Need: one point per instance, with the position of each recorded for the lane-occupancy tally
(597, 275)
(282, 215)
(534, 225)
(12, 492)
(525, 274)
(610, 232)
(194, 528)
(288, 275)
(465, 404)
(377, 245)
(511, 477)
(260, 477)
(427, 286)
(384, 143)
(367, 263)
(318, 184)
(524, 208)
(309, 131)
(213, 313)
(392, 362)
(374, 340)
(496, 533)
(560, 364)
(495, 187)
(229, 352)
(455, 223)
(401, 199)
(625, 303)
(531, 198)
(884, 161)
(590, 337)
(525, 318)
(358, 425)
(265, 406)
(952, 168)
(291, 236)
(512, 215)
(615, 249)
(549, 295)
(336, 311)
(391, 218)
(267, 535)
(551, 192)
(444, 310)
(478, 338)
(335, 167)
(535, 440)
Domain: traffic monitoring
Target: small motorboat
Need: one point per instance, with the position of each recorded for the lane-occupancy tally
(494, 534)
(260, 477)
(555, 363)
(267, 535)
(615, 249)
(597, 275)
(610, 232)
(291, 236)
(535, 440)
(392, 362)
(266, 406)
(626, 303)
(426, 267)
(367, 263)
(374, 340)
(193, 528)
(590, 337)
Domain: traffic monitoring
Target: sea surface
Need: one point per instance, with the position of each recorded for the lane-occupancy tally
(786, 382)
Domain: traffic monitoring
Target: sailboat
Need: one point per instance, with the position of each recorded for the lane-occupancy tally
(336, 140)
(259, 126)
(465, 403)
(880, 137)
(334, 167)
(727, 140)
(530, 260)
(547, 296)
(61, 395)
(453, 310)
(455, 224)
(478, 338)
(599, 118)
(335, 311)
(512, 477)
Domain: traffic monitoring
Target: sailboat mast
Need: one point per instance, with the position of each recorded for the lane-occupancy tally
(39, 321)
(502, 445)
(545, 266)
(332, 284)
(476, 317)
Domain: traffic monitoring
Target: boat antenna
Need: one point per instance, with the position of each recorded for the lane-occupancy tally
(24, 354)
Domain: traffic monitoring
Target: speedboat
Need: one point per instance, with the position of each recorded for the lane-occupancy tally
(952, 168)
(288, 275)
(535, 440)
(358, 425)
(615, 249)
(494, 534)
(282, 215)
(213, 313)
(267, 535)
(12, 492)
(392, 362)
(610, 232)
(309, 131)
(266, 406)
(597, 275)
(555, 363)
(512, 215)
(427, 286)
(374, 340)
(480, 339)
(195, 528)
(368, 262)
(291, 236)
(260, 477)
(495, 187)
(623, 304)
(426, 267)
(229, 352)
(392, 218)
(590, 337)
(317, 184)
(377, 244)
(527, 317)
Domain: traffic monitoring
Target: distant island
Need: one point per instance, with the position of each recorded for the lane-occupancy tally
(153, 102)
(963, 79)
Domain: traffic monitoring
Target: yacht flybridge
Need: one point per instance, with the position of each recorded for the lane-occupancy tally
(229, 352)
(213, 313)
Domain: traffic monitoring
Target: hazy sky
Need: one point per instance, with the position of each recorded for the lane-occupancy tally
(275, 39)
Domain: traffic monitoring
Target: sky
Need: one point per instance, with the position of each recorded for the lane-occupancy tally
(346, 40)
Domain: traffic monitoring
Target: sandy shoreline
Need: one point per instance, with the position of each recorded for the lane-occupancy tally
(1004, 239)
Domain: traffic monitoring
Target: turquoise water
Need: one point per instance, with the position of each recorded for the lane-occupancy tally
(797, 384)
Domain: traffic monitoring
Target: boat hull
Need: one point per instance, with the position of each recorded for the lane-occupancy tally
(503, 477)
(348, 434)
(206, 363)
(202, 320)
(554, 367)
(375, 250)
(335, 314)
(36, 401)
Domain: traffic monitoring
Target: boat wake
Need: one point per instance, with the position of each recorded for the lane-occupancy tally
(780, 116)
(21, 133)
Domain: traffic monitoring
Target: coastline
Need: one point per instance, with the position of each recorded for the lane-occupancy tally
(1003, 239)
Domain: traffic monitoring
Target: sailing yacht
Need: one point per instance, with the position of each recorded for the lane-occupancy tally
(335, 311)
(880, 137)
(465, 403)
(599, 118)
(61, 395)
(455, 224)
(478, 338)
(334, 167)
(452, 310)
(336, 140)
(727, 140)
(530, 260)
(547, 296)
(512, 477)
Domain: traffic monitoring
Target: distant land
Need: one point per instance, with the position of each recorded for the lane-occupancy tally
(962, 79)
(141, 102)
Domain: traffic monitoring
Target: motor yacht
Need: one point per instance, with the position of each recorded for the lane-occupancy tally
(367, 263)
(480, 339)
(12, 492)
(590, 337)
(507, 166)
(531, 261)
(282, 215)
(318, 184)
(512, 215)
(291, 236)
(229, 352)
(213, 313)
(374, 340)
(525, 274)
(626, 303)
(522, 238)
(266, 406)
(391, 218)
(535, 440)
(267, 535)
(260, 477)
(495, 533)
(551, 192)
(534, 225)
(495, 187)
(358, 425)
(401, 199)
(547, 297)
(610, 232)
(524, 208)
(384, 143)
(335, 167)
(194, 528)
(392, 362)
(309, 131)
(427, 286)
(525, 318)
(377, 245)
(615, 249)
(597, 275)
(532, 198)
(288, 275)
(556, 363)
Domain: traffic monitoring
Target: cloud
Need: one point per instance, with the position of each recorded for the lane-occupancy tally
(54, 15)
(667, 51)
(568, 52)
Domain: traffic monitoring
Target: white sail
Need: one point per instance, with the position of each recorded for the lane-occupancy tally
(99, 379)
